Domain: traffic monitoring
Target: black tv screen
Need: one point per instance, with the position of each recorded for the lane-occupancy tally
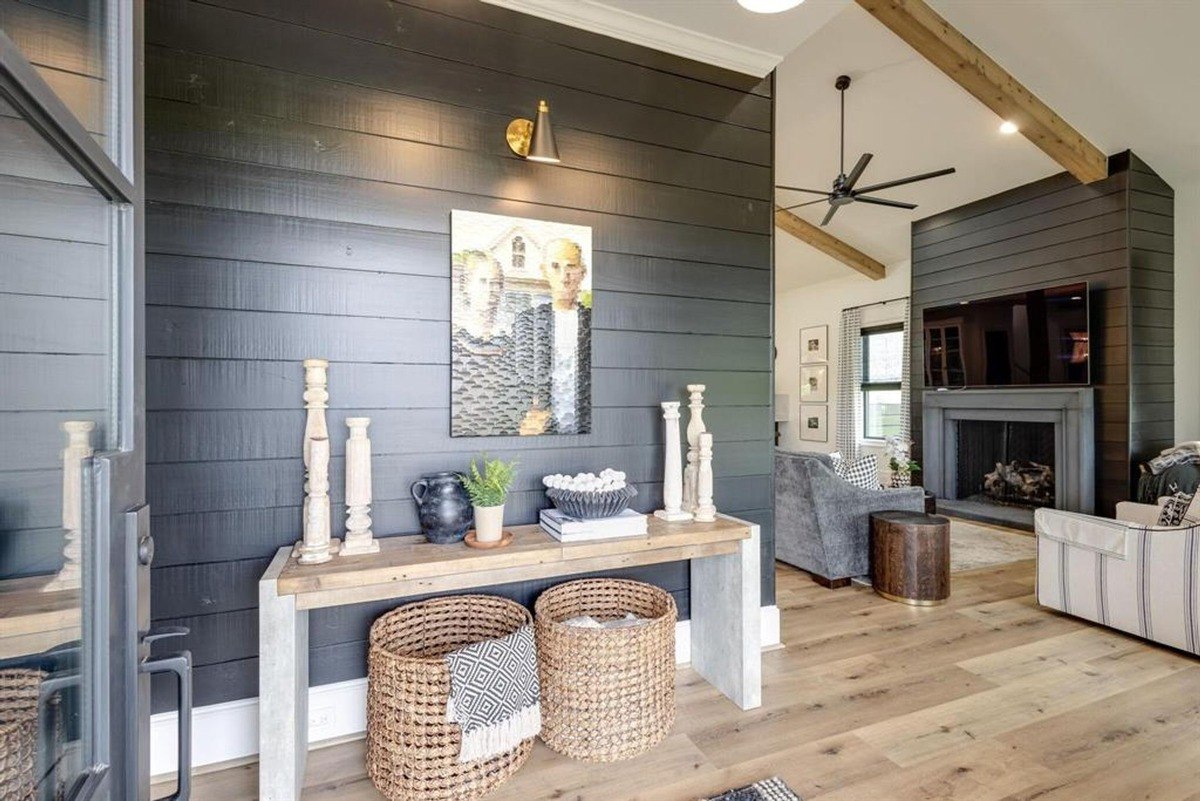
(1026, 339)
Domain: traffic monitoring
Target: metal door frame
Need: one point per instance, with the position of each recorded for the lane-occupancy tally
(114, 480)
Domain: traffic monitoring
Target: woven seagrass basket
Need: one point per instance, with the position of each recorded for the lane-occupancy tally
(18, 733)
(607, 694)
(412, 752)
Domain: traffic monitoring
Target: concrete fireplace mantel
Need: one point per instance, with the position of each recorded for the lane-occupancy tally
(1071, 410)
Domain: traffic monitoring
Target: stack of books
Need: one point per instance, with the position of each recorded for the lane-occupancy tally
(565, 528)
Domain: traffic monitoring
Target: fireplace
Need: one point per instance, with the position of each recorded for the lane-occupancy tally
(998, 455)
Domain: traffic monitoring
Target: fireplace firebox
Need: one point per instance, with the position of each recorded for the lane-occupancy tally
(1005, 462)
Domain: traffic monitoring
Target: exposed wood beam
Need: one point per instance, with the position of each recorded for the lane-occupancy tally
(972, 69)
(830, 245)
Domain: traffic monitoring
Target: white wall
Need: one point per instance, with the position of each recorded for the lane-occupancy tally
(822, 304)
(1187, 311)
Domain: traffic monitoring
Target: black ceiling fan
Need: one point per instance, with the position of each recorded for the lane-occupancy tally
(844, 190)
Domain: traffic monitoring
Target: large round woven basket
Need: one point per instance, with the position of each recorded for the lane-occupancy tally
(18, 733)
(607, 694)
(412, 752)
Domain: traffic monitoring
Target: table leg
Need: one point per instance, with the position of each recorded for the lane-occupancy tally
(726, 624)
(282, 694)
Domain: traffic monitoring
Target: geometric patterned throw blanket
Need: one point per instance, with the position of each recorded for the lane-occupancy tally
(766, 790)
(494, 694)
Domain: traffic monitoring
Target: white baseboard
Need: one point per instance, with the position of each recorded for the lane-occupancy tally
(229, 731)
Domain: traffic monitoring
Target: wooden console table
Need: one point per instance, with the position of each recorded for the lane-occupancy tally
(726, 639)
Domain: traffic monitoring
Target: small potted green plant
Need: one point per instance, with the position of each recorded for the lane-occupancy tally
(488, 489)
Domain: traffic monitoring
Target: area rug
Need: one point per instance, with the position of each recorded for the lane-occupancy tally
(974, 546)
(772, 789)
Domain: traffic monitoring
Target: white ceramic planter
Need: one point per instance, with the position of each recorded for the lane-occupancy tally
(489, 523)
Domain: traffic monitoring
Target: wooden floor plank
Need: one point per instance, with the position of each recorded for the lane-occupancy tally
(938, 730)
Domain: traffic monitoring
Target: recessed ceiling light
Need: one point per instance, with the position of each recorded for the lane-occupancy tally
(768, 6)
(1008, 128)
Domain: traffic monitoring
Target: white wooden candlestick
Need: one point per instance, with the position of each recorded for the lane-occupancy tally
(694, 430)
(706, 512)
(359, 539)
(79, 447)
(316, 547)
(672, 476)
(316, 401)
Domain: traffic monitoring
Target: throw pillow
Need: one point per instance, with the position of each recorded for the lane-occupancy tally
(862, 472)
(1174, 509)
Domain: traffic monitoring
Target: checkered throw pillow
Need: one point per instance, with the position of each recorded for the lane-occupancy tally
(862, 472)
(1174, 509)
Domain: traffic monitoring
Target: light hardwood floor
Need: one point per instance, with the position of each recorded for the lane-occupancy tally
(986, 698)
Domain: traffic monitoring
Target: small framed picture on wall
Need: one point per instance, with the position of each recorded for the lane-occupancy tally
(814, 344)
(814, 383)
(813, 423)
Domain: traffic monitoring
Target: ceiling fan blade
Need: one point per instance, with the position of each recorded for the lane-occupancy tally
(801, 189)
(829, 215)
(912, 179)
(878, 201)
(857, 172)
(809, 203)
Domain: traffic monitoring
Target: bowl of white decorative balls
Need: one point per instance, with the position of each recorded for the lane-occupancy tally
(588, 496)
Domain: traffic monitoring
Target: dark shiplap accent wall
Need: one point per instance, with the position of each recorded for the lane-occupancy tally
(1152, 313)
(303, 158)
(1115, 234)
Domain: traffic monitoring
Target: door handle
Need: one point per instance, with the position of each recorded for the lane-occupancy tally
(179, 663)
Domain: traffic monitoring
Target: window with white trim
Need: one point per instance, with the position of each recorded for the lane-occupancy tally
(882, 363)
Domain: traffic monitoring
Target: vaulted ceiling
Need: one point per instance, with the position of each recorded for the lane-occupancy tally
(1123, 72)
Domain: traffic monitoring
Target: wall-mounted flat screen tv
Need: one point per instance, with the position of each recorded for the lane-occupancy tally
(1034, 338)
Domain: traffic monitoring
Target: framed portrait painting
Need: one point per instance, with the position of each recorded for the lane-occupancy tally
(814, 383)
(814, 423)
(520, 326)
(814, 344)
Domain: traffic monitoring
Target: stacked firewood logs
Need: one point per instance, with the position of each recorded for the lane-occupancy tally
(1027, 482)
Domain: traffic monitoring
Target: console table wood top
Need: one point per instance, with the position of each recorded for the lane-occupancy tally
(408, 565)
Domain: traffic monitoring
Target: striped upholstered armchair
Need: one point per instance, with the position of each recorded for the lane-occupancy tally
(1129, 574)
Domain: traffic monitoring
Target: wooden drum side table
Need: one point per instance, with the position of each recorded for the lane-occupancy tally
(910, 557)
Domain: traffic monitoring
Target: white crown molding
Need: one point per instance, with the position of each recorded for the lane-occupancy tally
(630, 27)
(226, 732)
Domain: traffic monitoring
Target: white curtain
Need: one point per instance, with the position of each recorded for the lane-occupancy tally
(849, 384)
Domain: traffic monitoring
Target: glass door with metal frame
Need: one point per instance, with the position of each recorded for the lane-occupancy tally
(74, 539)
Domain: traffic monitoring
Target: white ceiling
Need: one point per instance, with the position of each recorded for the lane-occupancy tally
(904, 111)
(1125, 73)
(776, 34)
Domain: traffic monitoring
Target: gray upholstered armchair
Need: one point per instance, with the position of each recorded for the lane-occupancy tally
(822, 521)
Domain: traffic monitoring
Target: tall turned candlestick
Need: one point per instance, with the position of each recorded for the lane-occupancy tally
(79, 447)
(316, 401)
(359, 539)
(694, 430)
(316, 547)
(672, 476)
(706, 512)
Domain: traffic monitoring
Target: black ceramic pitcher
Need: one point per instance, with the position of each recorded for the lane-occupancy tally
(443, 507)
